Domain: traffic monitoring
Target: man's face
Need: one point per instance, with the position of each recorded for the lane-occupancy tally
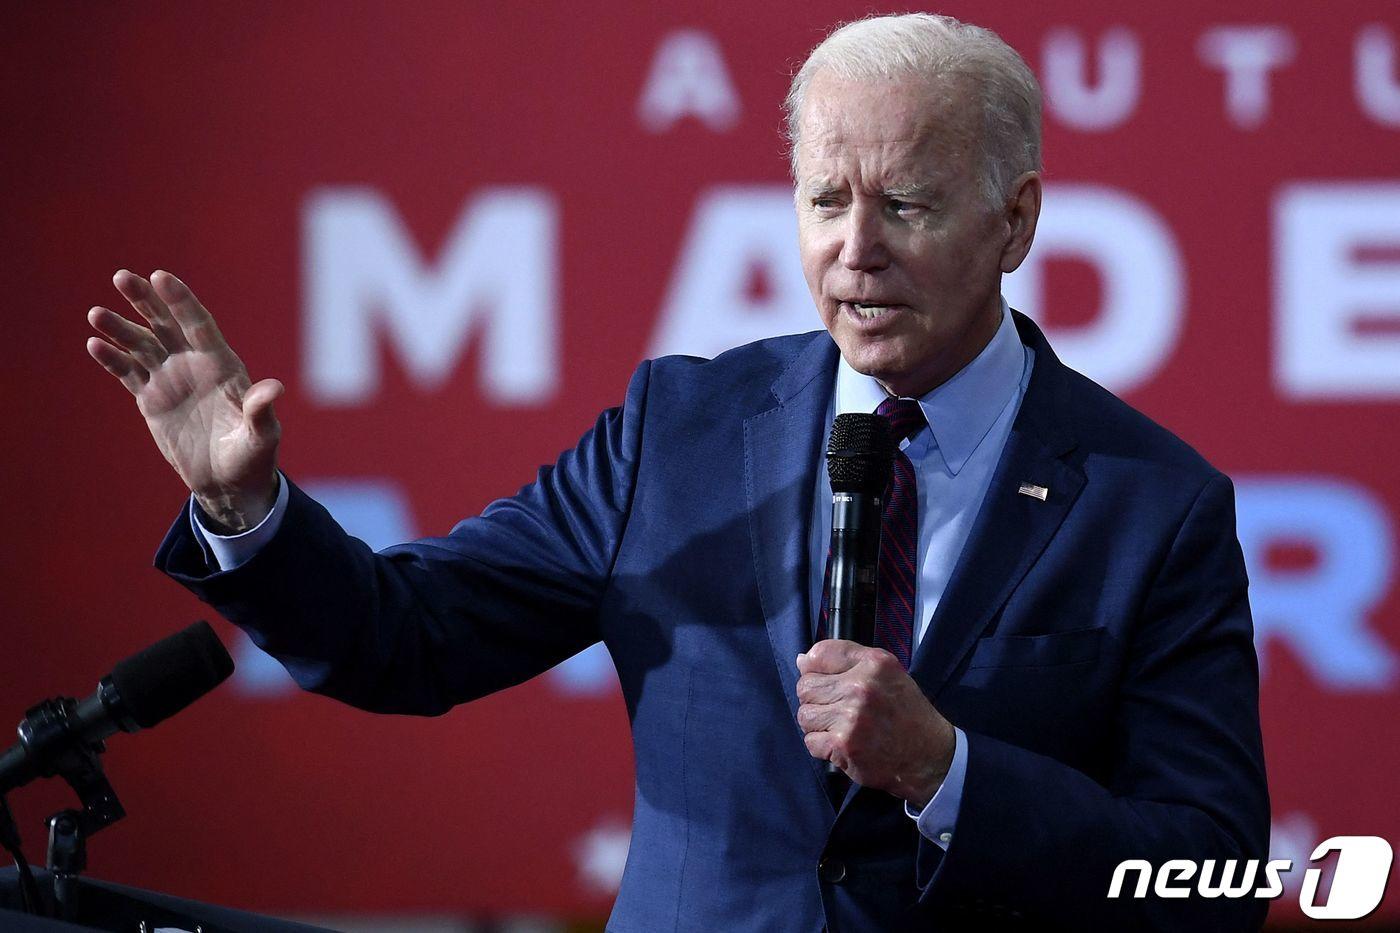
(899, 248)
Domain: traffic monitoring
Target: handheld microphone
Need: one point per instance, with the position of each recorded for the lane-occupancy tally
(859, 461)
(146, 688)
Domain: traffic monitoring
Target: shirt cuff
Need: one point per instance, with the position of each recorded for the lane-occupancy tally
(937, 820)
(229, 552)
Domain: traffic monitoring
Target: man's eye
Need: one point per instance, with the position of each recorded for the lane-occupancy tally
(903, 207)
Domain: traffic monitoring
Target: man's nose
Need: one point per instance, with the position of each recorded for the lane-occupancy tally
(864, 247)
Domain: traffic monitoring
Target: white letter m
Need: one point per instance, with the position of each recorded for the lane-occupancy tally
(363, 274)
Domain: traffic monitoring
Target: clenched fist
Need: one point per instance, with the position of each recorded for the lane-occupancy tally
(861, 710)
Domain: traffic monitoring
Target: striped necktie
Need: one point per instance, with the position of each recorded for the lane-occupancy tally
(899, 538)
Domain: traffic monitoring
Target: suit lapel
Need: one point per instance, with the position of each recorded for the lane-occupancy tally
(782, 451)
(1012, 529)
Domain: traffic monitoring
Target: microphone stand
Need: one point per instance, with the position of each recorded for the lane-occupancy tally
(81, 767)
(10, 841)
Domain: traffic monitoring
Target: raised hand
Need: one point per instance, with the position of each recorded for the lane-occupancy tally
(214, 426)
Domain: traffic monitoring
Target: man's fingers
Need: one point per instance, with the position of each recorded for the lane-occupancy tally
(818, 744)
(827, 746)
(136, 340)
(257, 408)
(818, 717)
(141, 296)
(131, 373)
(196, 324)
(819, 688)
(831, 657)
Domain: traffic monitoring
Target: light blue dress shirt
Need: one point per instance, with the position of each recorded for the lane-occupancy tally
(969, 419)
(228, 552)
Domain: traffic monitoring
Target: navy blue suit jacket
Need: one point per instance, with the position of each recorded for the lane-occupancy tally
(1096, 647)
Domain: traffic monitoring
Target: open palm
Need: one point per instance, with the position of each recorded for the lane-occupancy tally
(214, 426)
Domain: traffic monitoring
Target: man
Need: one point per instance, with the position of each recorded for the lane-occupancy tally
(1065, 676)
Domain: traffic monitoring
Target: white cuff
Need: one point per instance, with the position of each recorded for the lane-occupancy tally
(939, 818)
(228, 552)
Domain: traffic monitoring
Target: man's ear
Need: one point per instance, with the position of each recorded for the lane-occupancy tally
(1021, 213)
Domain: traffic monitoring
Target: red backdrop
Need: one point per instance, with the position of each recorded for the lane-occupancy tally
(453, 229)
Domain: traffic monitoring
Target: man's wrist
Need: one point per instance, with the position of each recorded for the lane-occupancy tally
(926, 780)
(228, 514)
(924, 786)
(937, 819)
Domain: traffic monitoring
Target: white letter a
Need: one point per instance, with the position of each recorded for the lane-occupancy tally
(688, 77)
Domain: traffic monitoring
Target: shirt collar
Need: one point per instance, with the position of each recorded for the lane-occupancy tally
(962, 410)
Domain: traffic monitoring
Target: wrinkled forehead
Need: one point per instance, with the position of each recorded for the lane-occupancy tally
(896, 124)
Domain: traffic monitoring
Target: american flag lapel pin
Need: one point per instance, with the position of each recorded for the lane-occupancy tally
(1034, 491)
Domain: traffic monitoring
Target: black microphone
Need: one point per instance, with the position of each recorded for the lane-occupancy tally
(859, 460)
(146, 688)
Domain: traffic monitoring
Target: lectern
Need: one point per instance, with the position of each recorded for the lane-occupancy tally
(102, 905)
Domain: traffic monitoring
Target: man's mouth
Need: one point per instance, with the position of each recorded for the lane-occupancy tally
(869, 311)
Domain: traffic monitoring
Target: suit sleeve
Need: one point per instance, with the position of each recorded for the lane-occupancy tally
(420, 627)
(1037, 838)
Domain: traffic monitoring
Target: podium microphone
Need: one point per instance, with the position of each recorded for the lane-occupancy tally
(141, 691)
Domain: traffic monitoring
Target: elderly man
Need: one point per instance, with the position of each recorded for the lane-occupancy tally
(1064, 676)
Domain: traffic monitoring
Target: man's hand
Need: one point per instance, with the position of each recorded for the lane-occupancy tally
(861, 710)
(216, 428)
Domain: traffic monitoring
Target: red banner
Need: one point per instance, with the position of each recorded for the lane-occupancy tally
(453, 230)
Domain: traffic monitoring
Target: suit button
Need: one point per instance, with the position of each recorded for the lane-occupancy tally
(831, 870)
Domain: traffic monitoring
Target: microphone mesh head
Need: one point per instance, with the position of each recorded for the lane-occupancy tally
(860, 454)
(163, 679)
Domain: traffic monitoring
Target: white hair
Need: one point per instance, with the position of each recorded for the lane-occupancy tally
(931, 46)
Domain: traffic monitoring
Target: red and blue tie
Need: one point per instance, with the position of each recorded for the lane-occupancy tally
(899, 537)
